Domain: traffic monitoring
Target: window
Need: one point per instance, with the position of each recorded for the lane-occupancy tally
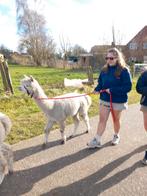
(132, 59)
(133, 46)
(145, 45)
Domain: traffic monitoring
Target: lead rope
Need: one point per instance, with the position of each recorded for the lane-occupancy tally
(69, 97)
(111, 105)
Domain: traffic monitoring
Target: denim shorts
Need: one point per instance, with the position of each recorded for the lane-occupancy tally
(116, 106)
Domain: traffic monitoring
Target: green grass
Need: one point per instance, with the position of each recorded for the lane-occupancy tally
(28, 120)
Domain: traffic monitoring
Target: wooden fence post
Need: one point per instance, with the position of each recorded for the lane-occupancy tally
(6, 79)
(90, 75)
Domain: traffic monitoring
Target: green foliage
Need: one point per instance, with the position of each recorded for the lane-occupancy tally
(28, 120)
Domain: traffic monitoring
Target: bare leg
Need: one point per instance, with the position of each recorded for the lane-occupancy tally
(144, 161)
(116, 123)
(103, 117)
(145, 120)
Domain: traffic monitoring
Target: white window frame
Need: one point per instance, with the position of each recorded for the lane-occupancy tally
(133, 46)
(132, 58)
(145, 45)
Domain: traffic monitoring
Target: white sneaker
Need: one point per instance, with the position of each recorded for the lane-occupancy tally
(115, 140)
(94, 143)
(144, 161)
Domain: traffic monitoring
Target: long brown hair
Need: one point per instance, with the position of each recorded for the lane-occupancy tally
(121, 64)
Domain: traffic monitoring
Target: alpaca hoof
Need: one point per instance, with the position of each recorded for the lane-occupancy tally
(11, 172)
(44, 146)
(63, 142)
(71, 136)
(87, 131)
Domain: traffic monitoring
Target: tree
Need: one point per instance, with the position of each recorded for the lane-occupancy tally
(65, 49)
(77, 50)
(5, 51)
(35, 39)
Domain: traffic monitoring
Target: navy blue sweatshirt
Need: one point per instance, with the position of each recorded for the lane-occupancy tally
(141, 88)
(119, 86)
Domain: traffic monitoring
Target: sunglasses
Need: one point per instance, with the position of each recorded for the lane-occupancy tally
(110, 58)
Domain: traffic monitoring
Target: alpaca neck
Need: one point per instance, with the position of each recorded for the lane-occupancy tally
(42, 100)
(39, 93)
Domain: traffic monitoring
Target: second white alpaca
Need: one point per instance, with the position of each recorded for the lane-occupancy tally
(6, 153)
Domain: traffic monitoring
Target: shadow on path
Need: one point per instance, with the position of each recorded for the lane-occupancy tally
(94, 184)
(22, 181)
(20, 154)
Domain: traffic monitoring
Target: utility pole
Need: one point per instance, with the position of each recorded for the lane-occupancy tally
(113, 37)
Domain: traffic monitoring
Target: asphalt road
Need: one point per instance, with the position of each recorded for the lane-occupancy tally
(74, 170)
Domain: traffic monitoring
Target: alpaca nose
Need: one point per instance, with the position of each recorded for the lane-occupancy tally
(20, 88)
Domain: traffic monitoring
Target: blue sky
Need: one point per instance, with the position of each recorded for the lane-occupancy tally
(83, 22)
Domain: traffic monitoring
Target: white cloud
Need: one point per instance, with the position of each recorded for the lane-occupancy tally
(8, 32)
(83, 22)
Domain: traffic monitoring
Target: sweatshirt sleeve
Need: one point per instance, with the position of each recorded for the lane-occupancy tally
(141, 86)
(99, 86)
(126, 85)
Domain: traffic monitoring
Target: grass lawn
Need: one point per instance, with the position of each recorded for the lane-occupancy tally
(28, 120)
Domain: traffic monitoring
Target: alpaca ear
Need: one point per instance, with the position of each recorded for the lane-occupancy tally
(25, 76)
(31, 78)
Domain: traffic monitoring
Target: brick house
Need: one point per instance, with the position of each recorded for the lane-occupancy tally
(22, 59)
(99, 53)
(136, 48)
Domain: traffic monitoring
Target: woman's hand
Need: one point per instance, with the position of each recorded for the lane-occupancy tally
(95, 92)
(107, 90)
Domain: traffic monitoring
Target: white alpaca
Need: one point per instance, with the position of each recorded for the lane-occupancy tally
(6, 154)
(57, 110)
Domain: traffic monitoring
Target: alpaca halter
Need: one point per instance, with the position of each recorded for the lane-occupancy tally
(28, 92)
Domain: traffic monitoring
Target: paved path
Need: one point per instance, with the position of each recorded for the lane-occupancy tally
(74, 170)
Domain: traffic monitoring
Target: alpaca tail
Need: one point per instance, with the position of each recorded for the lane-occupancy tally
(6, 125)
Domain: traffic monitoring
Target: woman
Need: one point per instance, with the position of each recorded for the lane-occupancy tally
(115, 79)
(141, 88)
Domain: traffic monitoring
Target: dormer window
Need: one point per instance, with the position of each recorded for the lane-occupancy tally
(133, 46)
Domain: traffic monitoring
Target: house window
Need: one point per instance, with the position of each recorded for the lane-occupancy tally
(133, 46)
(132, 59)
(145, 59)
(145, 45)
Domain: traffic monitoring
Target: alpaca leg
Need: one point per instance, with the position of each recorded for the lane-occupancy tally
(8, 154)
(3, 166)
(86, 120)
(76, 124)
(47, 131)
(10, 161)
(10, 164)
(62, 128)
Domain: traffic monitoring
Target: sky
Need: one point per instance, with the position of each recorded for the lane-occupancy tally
(83, 22)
